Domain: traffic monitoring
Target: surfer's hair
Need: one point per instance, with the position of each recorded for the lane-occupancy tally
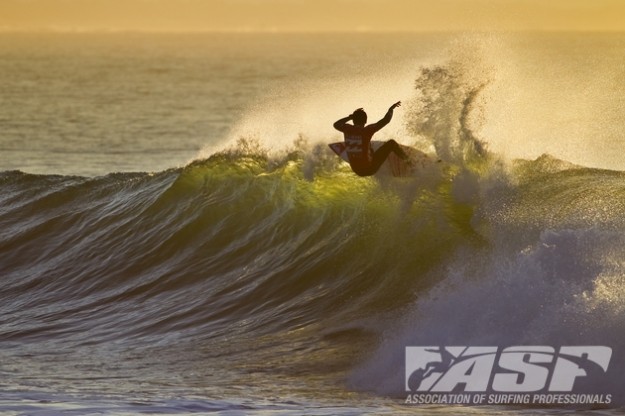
(359, 117)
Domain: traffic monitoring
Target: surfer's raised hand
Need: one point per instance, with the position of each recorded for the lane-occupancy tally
(340, 124)
(394, 106)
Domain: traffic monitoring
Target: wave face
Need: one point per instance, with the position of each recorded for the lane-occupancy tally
(235, 241)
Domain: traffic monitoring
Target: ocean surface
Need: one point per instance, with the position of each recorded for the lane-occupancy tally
(177, 237)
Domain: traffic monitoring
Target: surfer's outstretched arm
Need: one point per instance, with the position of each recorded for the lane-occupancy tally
(387, 117)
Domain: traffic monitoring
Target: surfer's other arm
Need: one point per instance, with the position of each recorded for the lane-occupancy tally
(340, 124)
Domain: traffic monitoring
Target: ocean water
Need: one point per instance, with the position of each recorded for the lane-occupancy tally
(176, 236)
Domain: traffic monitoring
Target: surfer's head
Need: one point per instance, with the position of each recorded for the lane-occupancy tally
(359, 117)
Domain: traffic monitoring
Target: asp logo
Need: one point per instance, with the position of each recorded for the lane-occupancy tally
(513, 369)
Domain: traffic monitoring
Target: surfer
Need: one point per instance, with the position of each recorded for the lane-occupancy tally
(363, 160)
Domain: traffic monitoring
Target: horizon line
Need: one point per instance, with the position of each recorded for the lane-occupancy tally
(56, 30)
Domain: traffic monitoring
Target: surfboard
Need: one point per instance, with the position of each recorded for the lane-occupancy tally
(394, 165)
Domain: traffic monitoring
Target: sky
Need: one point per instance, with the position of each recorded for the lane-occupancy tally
(312, 15)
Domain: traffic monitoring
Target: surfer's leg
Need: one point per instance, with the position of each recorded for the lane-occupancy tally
(380, 155)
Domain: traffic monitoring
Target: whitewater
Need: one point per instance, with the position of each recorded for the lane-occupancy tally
(252, 272)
